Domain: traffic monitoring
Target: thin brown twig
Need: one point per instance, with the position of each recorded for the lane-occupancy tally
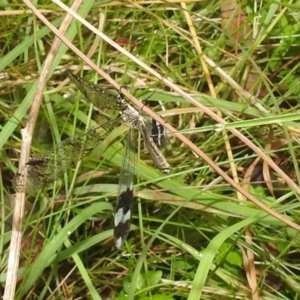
(168, 126)
(212, 91)
(173, 130)
(18, 217)
(235, 25)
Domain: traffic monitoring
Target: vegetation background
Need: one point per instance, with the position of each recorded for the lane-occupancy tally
(194, 236)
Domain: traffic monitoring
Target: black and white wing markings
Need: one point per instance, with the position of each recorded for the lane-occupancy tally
(157, 132)
(153, 135)
(102, 98)
(45, 168)
(123, 209)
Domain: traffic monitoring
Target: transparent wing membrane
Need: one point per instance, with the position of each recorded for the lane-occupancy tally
(44, 169)
(99, 97)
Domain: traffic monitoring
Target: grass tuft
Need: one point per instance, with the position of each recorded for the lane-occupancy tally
(194, 236)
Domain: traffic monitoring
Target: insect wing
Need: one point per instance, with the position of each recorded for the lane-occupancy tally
(123, 210)
(100, 98)
(46, 168)
(157, 132)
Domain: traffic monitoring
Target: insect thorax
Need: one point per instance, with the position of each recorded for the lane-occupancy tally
(130, 115)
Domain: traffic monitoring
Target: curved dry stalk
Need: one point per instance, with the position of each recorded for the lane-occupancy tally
(18, 217)
(181, 137)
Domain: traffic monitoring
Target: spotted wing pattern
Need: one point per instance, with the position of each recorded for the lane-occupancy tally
(45, 168)
(153, 135)
(123, 209)
(158, 133)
